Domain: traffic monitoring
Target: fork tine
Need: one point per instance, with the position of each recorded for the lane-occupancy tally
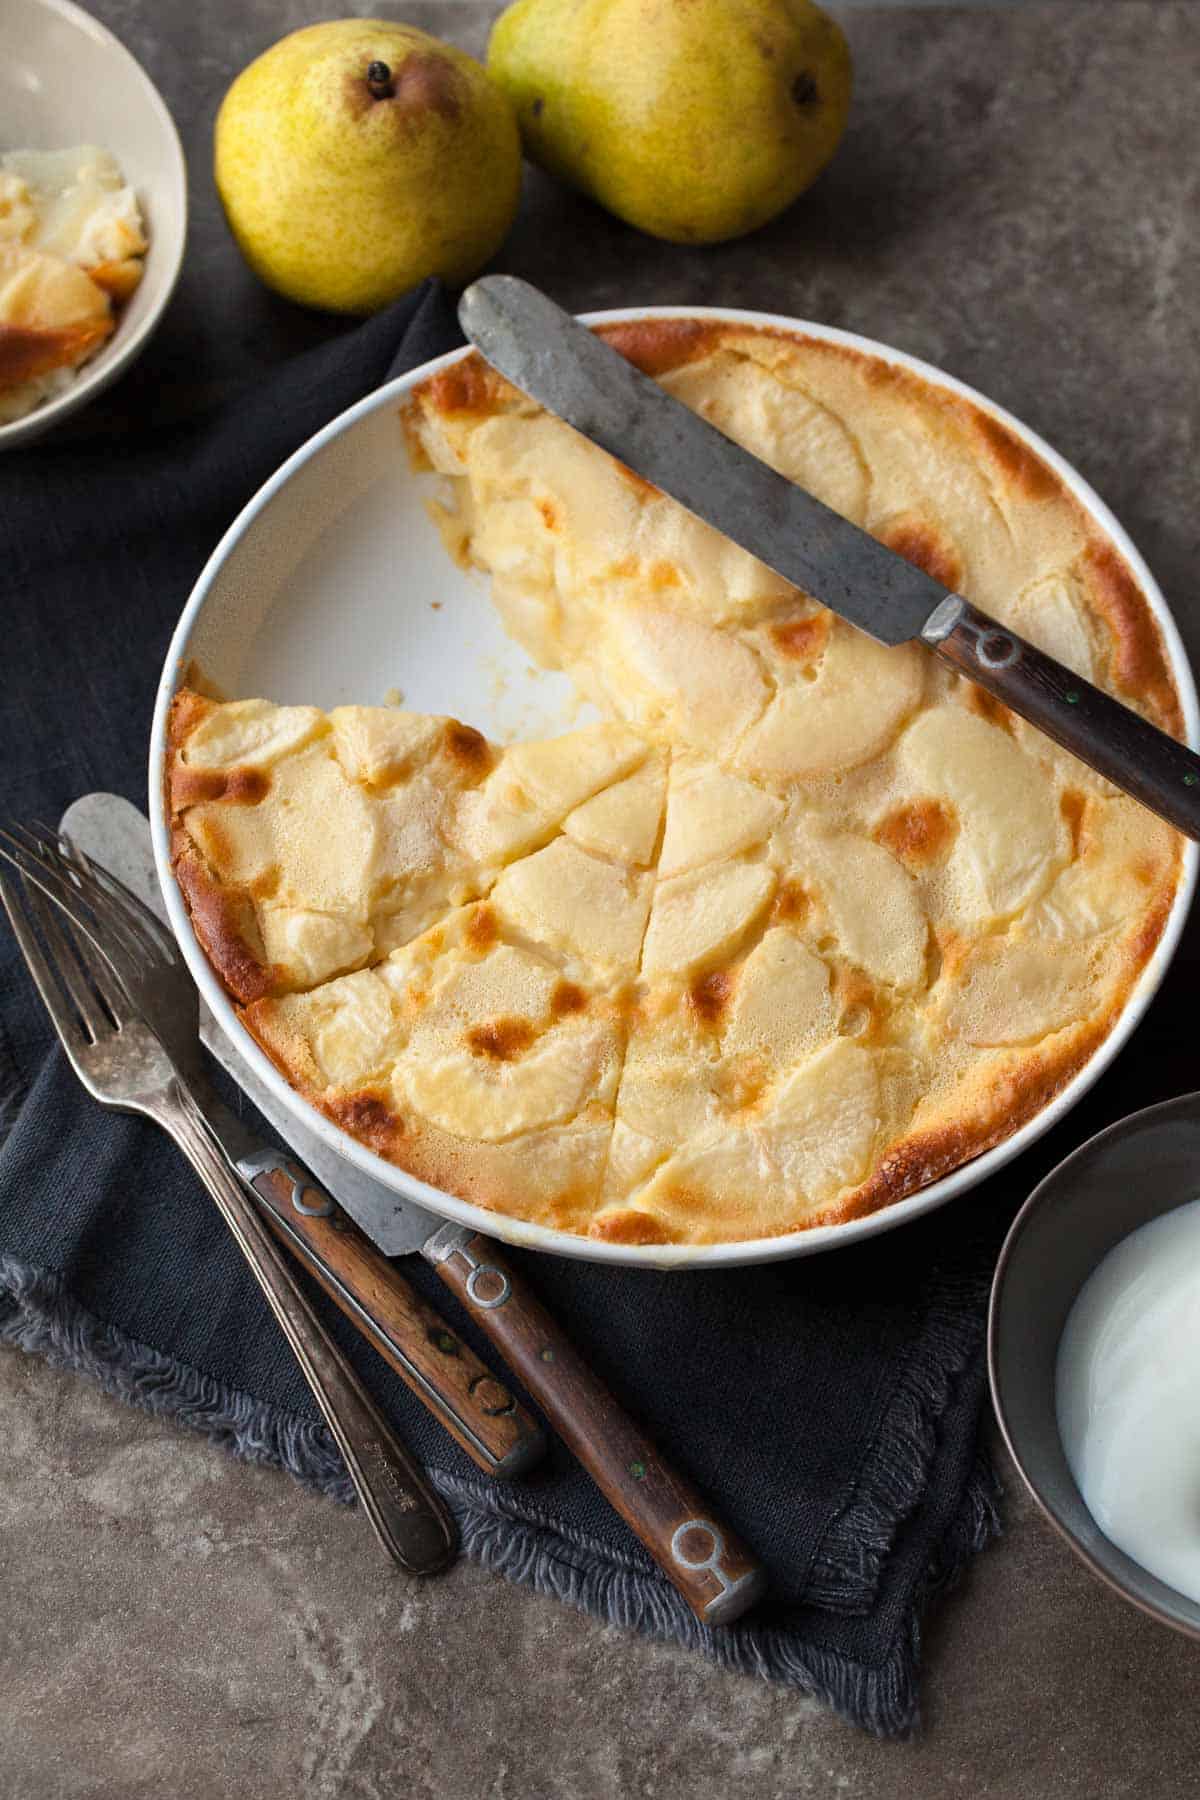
(67, 895)
(35, 866)
(47, 853)
(66, 958)
(104, 979)
(134, 909)
(61, 1015)
(124, 912)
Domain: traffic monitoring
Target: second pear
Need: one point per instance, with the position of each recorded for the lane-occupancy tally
(695, 120)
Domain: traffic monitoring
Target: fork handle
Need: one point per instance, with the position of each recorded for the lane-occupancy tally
(409, 1519)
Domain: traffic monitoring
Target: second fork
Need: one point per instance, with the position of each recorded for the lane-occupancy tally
(84, 971)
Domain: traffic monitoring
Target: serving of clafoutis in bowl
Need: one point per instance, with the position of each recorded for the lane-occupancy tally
(93, 213)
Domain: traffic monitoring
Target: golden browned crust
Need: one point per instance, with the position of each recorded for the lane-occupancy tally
(1141, 668)
(801, 640)
(791, 903)
(918, 542)
(482, 931)
(26, 353)
(367, 1115)
(1032, 477)
(567, 999)
(656, 346)
(224, 921)
(628, 1226)
(189, 709)
(237, 787)
(224, 918)
(469, 386)
(1017, 1095)
(1019, 1090)
(370, 1117)
(918, 833)
(467, 749)
(711, 995)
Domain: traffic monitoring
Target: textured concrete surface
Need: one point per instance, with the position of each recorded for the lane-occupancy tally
(1017, 201)
(175, 1624)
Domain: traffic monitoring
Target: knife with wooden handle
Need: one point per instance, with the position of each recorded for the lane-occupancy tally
(714, 1571)
(709, 1564)
(482, 1415)
(577, 376)
(296, 1190)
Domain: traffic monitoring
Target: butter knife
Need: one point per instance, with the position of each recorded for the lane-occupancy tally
(574, 374)
(297, 1193)
(712, 1568)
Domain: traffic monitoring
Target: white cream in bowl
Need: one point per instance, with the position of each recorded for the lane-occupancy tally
(1128, 1393)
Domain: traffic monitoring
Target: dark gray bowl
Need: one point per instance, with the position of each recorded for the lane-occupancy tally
(1138, 1168)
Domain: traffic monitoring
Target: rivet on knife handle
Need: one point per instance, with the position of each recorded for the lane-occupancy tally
(1133, 754)
(479, 1411)
(713, 1570)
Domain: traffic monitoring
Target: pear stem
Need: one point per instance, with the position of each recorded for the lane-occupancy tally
(379, 81)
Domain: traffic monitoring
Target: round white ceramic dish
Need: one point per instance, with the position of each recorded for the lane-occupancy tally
(334, 586)
(64, 80)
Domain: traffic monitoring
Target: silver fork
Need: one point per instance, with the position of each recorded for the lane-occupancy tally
(127, 1015)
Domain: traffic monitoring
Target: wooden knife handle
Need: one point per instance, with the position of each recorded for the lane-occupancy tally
(1133, 754)
(480, 1413)
(716, 1574)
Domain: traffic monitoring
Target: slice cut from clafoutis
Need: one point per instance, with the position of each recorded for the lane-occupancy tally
(483, 1057)
(311, 844)
(71, 245)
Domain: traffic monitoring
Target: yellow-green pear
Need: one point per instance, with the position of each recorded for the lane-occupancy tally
(696, 120)
(355, 157)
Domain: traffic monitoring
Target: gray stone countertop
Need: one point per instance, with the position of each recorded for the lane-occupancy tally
(1017, 202)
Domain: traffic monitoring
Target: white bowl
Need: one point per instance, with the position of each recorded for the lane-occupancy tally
(64, 80)
(321, 591)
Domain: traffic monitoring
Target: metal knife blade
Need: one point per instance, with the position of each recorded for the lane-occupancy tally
(476, 1409)
(580, 378)
(575, 374)
(705, 1559)
(115, 833)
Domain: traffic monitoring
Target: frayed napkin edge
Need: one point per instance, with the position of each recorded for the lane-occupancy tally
(852, 1558)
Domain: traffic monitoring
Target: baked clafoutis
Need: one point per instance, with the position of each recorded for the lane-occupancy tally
(802, 925)
(72, 244)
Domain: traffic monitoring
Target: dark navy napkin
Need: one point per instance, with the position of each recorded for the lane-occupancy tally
(830, 1406)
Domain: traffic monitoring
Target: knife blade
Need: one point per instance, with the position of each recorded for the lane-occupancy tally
(477, 1409)
(714, 1571)
(574, 374)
